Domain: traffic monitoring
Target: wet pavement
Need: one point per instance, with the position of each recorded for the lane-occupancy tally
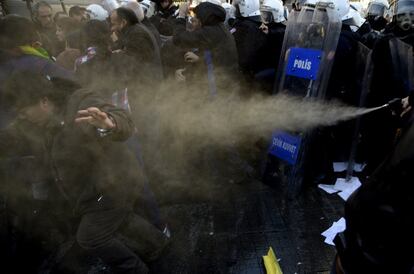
(230, 234)
(230, 227)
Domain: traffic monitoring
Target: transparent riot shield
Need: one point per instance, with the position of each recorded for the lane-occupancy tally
(306, 60)
(402, 62)
(364, 70)
(308, 51)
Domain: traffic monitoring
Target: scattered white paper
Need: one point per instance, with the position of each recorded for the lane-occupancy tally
(328, 188)
(343, 187)
(345, 194)
(342, 166)
(359, 167)
(342, 184)
(331, 232)
(346, 188)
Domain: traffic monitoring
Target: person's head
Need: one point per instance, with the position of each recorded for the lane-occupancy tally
(96, 33)
(43, 14)
(342, 9)
(209, 14)
(122, 18)
(136, 8)
(272, 11)
(165, 4)
(230, 13)
(32, 96)
(354, 18)
(377, 8)
(78, 13)
(247, 8)
(97, 12)
(148, 7)
(403, 14)
(195, 23)
(17, 31)
(58, 15)
(66, 25)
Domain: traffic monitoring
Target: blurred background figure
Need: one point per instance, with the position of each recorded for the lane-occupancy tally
(96, 12)
(68, 32)
(78, 13)
(43, 19)
(376, 14)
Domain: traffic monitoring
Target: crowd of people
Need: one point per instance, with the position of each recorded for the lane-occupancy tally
(74, 87)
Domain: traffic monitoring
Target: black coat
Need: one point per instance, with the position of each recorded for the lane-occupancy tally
(150, 26)
(387, 83)
(75, 160)
(141, 46)
(268, 58)
(273, 47)
(249, 41)
(342, 83)
(212, 38)
(163, 20)
(379, 217)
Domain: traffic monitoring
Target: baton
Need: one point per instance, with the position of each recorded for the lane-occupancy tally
(62, 3)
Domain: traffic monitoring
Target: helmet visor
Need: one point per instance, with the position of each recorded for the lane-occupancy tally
(267, 16)
(376, 9)
(404, 7)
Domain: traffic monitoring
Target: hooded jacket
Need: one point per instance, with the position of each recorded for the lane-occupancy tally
(212, 40)
(139, 43)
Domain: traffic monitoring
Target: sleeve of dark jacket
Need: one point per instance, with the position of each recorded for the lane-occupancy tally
(195, 39)
(139, 44)
(18, 158)
(83, 99)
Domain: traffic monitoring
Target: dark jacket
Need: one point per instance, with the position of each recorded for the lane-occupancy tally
(91, 173)
(150, 26)
(213, 41)
(271, 51)
(379, 217)
(169, 12)
(342, 82)
(389, 81)
(141, 45)
(163, 20)
(24, 62)
(368, 35)
(249, 40)
(268, 58)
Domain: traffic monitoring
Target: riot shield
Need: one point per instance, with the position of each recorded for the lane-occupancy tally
(308, 51)
(306, 60)
(363, 72)
(402, 62)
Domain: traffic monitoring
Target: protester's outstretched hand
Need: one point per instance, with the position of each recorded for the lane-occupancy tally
(191, 57)
(94, 116)
(179, 75)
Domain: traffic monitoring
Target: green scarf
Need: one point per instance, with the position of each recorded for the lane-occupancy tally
(39, 52)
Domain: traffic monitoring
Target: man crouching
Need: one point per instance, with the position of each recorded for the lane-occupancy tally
(78, 141)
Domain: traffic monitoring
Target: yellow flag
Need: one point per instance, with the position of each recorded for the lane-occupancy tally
(271, 264)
